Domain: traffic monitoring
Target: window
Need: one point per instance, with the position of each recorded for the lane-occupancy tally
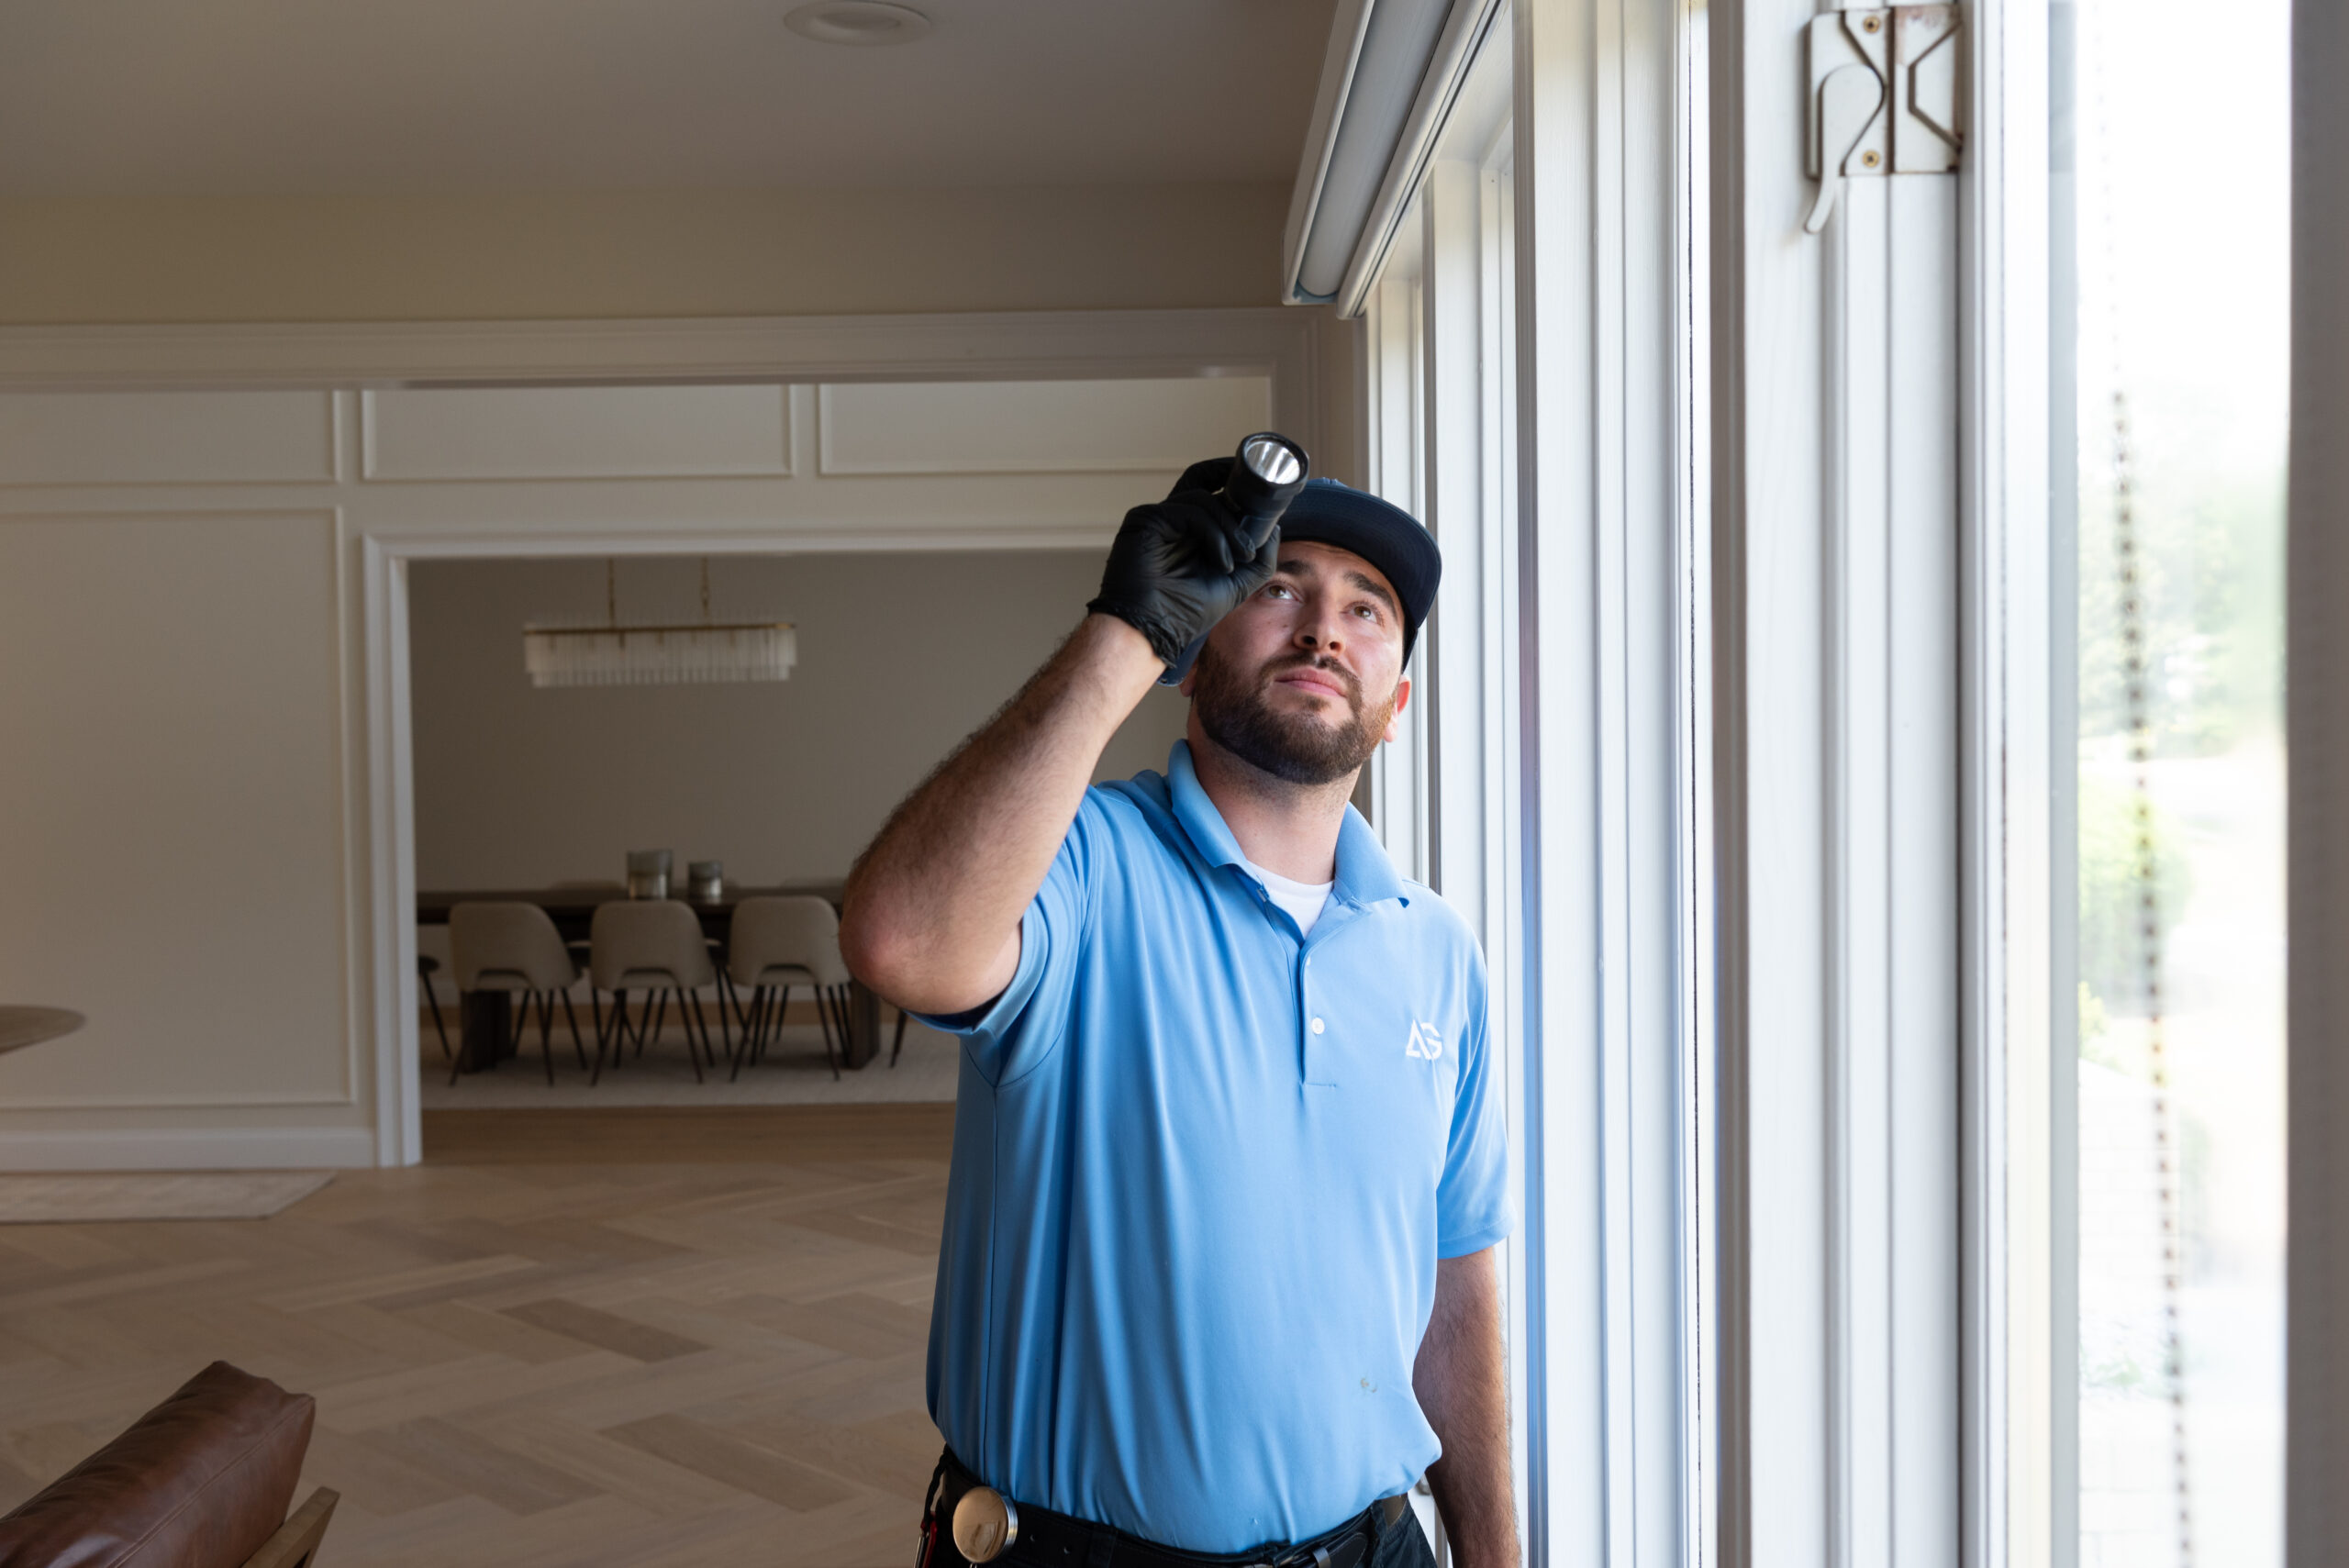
(2171, 361)
(1551, 785)
(1793, 776)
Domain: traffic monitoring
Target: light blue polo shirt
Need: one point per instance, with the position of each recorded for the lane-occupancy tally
(1202, 1175)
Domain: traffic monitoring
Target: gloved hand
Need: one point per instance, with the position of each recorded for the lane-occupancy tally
(1179, 566)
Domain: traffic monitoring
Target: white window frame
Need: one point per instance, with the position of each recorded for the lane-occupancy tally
(1773, 933)
(1399, 789)
(1550, 370)
(1614, 786)
(1905, 347)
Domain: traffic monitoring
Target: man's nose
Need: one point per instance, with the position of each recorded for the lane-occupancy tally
(1321, 631)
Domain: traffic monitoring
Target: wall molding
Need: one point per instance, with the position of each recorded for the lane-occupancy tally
(1183, 408)
(1280, 343)
(87, 423)
(323, 525)
(986, 346)
(1284, 344)
(574, 543)
(407, 456)
(189, 1149)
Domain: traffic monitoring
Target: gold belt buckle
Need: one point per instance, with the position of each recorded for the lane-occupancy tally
(985, 1524)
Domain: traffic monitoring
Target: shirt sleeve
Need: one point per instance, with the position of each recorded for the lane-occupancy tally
(1015, 1033)
(1472, 1206)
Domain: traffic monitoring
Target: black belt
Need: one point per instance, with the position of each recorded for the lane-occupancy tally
(1047, 1540)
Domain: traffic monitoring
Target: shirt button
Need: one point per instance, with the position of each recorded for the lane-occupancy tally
(1317, 1026)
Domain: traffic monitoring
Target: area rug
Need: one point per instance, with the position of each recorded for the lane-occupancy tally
(206, 1195)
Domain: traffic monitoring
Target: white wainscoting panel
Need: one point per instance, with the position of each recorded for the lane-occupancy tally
(1037, 427)
(166, 438)
(171, 851)
(577, 432)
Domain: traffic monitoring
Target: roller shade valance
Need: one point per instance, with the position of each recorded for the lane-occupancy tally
(1388, 81)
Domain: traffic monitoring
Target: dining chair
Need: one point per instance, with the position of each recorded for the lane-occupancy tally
(426, 966)
(514, 946)
(774, 945)
(598, 885)
(654, 945)
(431, 959)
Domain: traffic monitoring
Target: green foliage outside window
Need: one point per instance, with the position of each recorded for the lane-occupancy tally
(2112, 955)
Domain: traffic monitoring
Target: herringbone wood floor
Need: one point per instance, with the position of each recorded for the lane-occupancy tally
(568, 1339)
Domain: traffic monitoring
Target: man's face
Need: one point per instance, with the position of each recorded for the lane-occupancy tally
(1304, 678)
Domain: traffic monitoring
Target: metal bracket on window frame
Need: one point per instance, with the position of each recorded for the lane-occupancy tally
(1886, 96)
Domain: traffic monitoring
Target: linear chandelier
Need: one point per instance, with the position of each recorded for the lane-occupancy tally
(559, 652)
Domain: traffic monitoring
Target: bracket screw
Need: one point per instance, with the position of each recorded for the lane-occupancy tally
(1870, 159)
(1872, 24)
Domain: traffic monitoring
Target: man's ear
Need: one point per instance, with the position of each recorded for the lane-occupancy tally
(1402, 701)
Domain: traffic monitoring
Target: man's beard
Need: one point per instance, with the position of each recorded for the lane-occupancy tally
(1300, 748)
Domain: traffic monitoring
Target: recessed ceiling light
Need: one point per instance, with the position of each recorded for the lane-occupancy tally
(861, 23)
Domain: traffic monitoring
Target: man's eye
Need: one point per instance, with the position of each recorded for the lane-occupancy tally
(1280, 588)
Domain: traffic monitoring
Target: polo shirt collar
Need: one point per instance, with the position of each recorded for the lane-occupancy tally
(1366, 874)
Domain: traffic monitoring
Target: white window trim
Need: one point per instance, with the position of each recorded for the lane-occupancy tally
(1823, 716)
(1394, 385)
(1536, 312)
(1826, 382)
(1603, 181)
(2007, 754)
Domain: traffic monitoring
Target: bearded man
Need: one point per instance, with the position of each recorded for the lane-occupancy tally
(1217, 1284)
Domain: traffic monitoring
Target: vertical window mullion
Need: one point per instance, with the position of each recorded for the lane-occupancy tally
(1451, 296)
(1601, 331)
(1398, 773)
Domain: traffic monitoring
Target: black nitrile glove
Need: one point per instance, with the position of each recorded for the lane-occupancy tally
(1179, 566)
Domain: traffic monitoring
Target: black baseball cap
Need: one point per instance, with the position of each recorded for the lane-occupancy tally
(1326, 512)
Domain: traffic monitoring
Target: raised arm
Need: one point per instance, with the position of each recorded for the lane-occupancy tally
(933, 914)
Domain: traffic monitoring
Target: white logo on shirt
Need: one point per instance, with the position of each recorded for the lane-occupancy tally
(1426, 1041)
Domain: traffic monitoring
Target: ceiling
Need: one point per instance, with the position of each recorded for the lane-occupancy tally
(378, 96)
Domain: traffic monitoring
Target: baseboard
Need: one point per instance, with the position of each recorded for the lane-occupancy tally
(190, 1149)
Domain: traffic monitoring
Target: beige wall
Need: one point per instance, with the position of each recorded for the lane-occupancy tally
(171, 816)
(900, 656)
(546, 256)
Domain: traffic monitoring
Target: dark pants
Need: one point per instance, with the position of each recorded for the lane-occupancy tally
(1403, 1546)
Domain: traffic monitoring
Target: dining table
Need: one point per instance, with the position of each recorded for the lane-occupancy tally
(21, 1026)
(487, 1035)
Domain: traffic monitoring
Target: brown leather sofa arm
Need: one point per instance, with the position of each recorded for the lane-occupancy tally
(201, 1481)
(297, 1540)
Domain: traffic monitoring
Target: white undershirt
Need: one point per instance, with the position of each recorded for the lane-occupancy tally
(1303, 900)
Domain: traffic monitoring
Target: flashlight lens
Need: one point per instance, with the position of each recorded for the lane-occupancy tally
(1273, 460)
